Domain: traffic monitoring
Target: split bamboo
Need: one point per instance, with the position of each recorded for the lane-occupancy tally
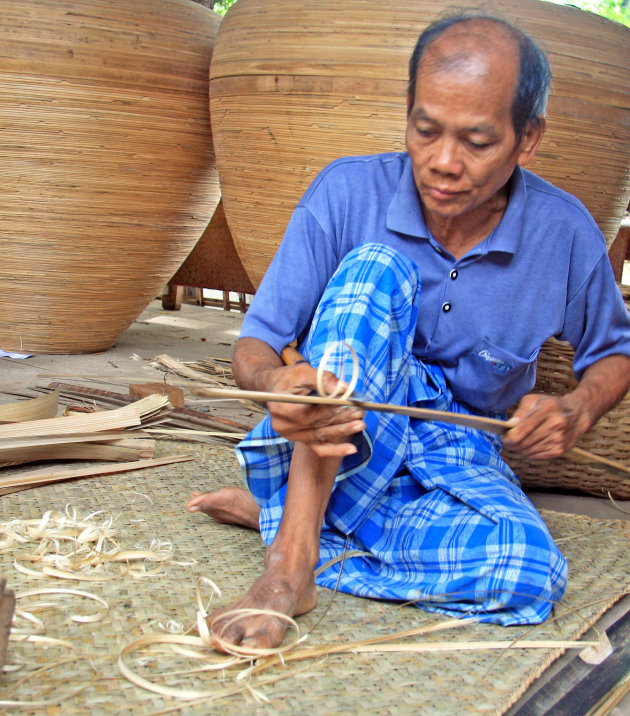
(87, 436)
(295, 85)
(34, 409)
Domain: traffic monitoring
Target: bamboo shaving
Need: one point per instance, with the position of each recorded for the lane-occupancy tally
(476, 646)
(75, 592)
(339, 391)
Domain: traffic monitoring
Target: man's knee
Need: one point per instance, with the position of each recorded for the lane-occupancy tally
(527, 574)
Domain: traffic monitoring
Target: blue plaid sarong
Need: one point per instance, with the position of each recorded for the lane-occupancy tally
(438, 514)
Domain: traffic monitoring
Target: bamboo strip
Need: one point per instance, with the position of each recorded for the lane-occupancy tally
(36, 440)
(34, 409)
(115, 450)
(32, 479)
(475, 646)
(581, 454)
(474, 421)
(7, 607)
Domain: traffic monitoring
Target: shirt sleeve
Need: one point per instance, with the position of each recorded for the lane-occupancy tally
(285, 302)
(597, 322)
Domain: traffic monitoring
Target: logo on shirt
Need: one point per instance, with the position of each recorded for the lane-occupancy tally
(495, 362)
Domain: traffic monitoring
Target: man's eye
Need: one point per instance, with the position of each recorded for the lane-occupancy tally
(479, 145)
(424, 132)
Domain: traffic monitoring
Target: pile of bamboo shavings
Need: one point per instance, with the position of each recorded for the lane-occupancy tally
(252, 670)
(70, 547)
(88, 436)
(80, 548)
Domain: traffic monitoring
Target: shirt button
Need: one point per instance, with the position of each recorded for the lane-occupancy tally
(454, 274)
(446, 307)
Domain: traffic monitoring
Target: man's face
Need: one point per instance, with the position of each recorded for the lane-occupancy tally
(460, 135)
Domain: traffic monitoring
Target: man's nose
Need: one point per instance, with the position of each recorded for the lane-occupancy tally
(445, 156)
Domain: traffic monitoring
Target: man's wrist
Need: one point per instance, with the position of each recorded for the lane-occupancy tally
(579, 406)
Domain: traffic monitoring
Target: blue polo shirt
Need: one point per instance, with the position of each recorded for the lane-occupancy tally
(542, 272)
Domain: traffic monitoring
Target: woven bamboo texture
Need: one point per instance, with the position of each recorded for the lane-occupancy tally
(109, 176)
(150, 505)
(295, 85)
(609, 438)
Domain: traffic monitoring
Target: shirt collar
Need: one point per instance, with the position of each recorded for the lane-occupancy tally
(404, 214)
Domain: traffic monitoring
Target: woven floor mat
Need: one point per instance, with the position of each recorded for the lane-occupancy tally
(148, 505)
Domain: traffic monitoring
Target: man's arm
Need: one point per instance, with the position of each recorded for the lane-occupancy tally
(326, 429)
(548, 426)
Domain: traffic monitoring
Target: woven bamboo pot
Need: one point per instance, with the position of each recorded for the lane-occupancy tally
(295, 85)
(109, 176)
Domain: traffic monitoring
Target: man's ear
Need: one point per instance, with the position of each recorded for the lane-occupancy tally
(531, 139)
(409, 104)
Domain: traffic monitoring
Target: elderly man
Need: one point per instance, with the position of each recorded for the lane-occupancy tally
(445, 268)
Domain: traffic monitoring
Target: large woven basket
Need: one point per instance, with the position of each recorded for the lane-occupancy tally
(609, 438)
(294, 85)
(108, 171)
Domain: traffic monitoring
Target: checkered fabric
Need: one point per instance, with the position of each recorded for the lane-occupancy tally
(437, 514)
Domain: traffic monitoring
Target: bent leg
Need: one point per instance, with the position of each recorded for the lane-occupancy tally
(371, 303)
(286, 584)
(474, 546)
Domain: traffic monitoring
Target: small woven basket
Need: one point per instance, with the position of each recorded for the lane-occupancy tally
(609, 438)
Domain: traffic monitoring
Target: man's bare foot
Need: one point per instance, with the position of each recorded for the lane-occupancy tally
(279, 589)
(229, 505)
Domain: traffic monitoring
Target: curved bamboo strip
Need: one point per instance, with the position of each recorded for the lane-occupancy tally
(296, 85)
(109, 176)
(34, 409)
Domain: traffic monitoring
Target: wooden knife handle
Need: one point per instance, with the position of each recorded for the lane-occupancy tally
(291, 356)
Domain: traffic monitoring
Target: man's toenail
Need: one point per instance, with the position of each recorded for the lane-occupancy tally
(194, 509)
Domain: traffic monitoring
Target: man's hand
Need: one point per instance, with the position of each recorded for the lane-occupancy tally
(548, 426)
(545, 426)
(327, 430)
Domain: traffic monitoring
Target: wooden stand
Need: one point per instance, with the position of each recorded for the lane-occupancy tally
(214, 264)
(619, 251)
